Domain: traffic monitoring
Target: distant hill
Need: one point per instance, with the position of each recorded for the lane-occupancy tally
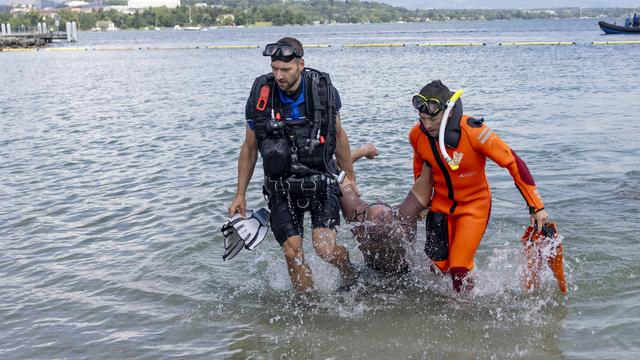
(277, 12)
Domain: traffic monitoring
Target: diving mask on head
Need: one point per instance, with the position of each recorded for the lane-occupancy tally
(432, 107)
(429, 106)
(282, 51)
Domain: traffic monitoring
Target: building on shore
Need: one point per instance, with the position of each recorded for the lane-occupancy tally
(76, 4)
(143, 4)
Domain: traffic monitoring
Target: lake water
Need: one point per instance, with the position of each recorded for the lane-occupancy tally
(118, 166)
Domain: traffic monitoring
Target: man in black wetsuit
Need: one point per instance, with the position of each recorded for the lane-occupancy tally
(293, 121)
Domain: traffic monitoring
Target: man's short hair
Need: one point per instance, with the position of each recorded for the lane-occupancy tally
(295, 43)
(437, 90)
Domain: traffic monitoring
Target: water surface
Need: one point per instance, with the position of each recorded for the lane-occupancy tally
(118, 166)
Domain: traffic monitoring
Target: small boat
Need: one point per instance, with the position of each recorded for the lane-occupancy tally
(617, 29)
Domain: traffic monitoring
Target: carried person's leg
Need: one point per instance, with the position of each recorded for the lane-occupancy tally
(326, 247)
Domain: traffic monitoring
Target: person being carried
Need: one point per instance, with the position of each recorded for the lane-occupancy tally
(384, 231)
(454, 156)
(293, 121)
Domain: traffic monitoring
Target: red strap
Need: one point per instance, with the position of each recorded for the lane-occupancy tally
(264, 98)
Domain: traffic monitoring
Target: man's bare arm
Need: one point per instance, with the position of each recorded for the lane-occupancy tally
(343, 151)
(246, 165)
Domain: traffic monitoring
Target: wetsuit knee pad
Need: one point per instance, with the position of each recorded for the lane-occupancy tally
(437, 244)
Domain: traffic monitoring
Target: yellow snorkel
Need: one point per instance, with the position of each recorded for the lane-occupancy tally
(453, 163)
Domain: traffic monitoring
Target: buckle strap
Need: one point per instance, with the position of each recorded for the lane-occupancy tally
(307, 185)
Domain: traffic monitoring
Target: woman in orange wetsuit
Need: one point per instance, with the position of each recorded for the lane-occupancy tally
(461, 200)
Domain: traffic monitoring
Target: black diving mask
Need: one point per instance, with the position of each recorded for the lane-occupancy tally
(283, 52)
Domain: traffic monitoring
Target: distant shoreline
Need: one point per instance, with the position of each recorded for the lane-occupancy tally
(272, 13)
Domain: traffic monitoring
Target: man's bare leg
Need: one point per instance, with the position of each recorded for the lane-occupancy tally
(299, 271)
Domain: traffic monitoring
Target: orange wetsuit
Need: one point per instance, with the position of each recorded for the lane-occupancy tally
(463, 196)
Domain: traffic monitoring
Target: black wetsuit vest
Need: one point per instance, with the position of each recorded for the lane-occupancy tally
(295, 147)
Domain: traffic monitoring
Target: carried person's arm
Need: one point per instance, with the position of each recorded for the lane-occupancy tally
(367, 150)
(246, 165)
(490, 144)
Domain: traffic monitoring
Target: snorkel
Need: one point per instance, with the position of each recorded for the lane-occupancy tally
(453, 163)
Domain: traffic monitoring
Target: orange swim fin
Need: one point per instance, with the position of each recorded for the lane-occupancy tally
(544, 241)
(534, 263)
(555, 256)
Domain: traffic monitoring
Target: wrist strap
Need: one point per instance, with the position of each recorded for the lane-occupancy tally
(534, 211)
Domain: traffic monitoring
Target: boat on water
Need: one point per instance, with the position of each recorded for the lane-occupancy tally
(618, 29)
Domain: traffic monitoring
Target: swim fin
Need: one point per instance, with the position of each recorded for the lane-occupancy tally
(232, 241)
(532, 255)
(246, 232)
(535, 242)
(253, 229)
(555, 254)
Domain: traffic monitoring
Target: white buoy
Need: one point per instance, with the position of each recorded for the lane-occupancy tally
(39, 28)
(8, 29)
(44, 27)
(4, 29)
(74, 28)
(68, 29)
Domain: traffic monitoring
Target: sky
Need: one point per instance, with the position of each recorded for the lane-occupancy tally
(487, 4)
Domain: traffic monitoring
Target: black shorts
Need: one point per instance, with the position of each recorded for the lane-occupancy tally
(287, 212)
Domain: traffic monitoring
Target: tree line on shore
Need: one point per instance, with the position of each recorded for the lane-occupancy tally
(276, 12)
